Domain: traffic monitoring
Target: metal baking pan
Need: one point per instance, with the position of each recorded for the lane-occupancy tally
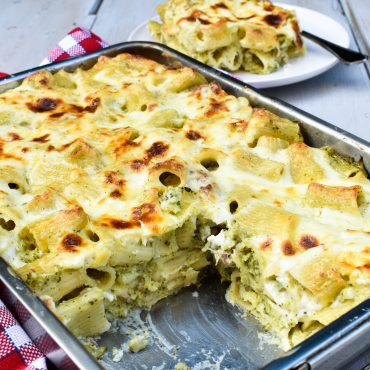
(197, 326)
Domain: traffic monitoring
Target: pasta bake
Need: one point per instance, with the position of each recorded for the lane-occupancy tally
(251, 35)
(121, 183)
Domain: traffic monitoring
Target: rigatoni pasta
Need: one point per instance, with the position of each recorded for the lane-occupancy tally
(120, 183)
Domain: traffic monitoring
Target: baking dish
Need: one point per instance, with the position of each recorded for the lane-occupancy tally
(201, 329)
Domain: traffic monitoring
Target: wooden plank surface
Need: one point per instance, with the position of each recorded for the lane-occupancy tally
(124, 15)
(358, 13)
(29, 29)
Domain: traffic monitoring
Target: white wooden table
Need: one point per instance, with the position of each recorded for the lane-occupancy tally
(30, 28)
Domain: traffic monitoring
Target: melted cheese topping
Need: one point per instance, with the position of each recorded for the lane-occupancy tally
(254, 36)
(117, 182)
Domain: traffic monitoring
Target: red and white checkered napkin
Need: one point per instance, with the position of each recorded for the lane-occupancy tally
(17, 351)
(79, 41)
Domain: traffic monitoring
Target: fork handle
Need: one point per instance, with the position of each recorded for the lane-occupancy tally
(345, 55)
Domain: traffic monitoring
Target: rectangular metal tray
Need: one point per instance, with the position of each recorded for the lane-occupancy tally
(197, 326)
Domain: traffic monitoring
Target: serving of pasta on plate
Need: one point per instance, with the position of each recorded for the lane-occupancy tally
(251, 35)
(258, 42)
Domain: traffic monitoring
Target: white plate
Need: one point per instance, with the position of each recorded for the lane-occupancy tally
(316, 60)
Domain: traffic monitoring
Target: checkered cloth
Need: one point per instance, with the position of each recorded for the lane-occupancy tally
(17, 351)
(79, 41)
